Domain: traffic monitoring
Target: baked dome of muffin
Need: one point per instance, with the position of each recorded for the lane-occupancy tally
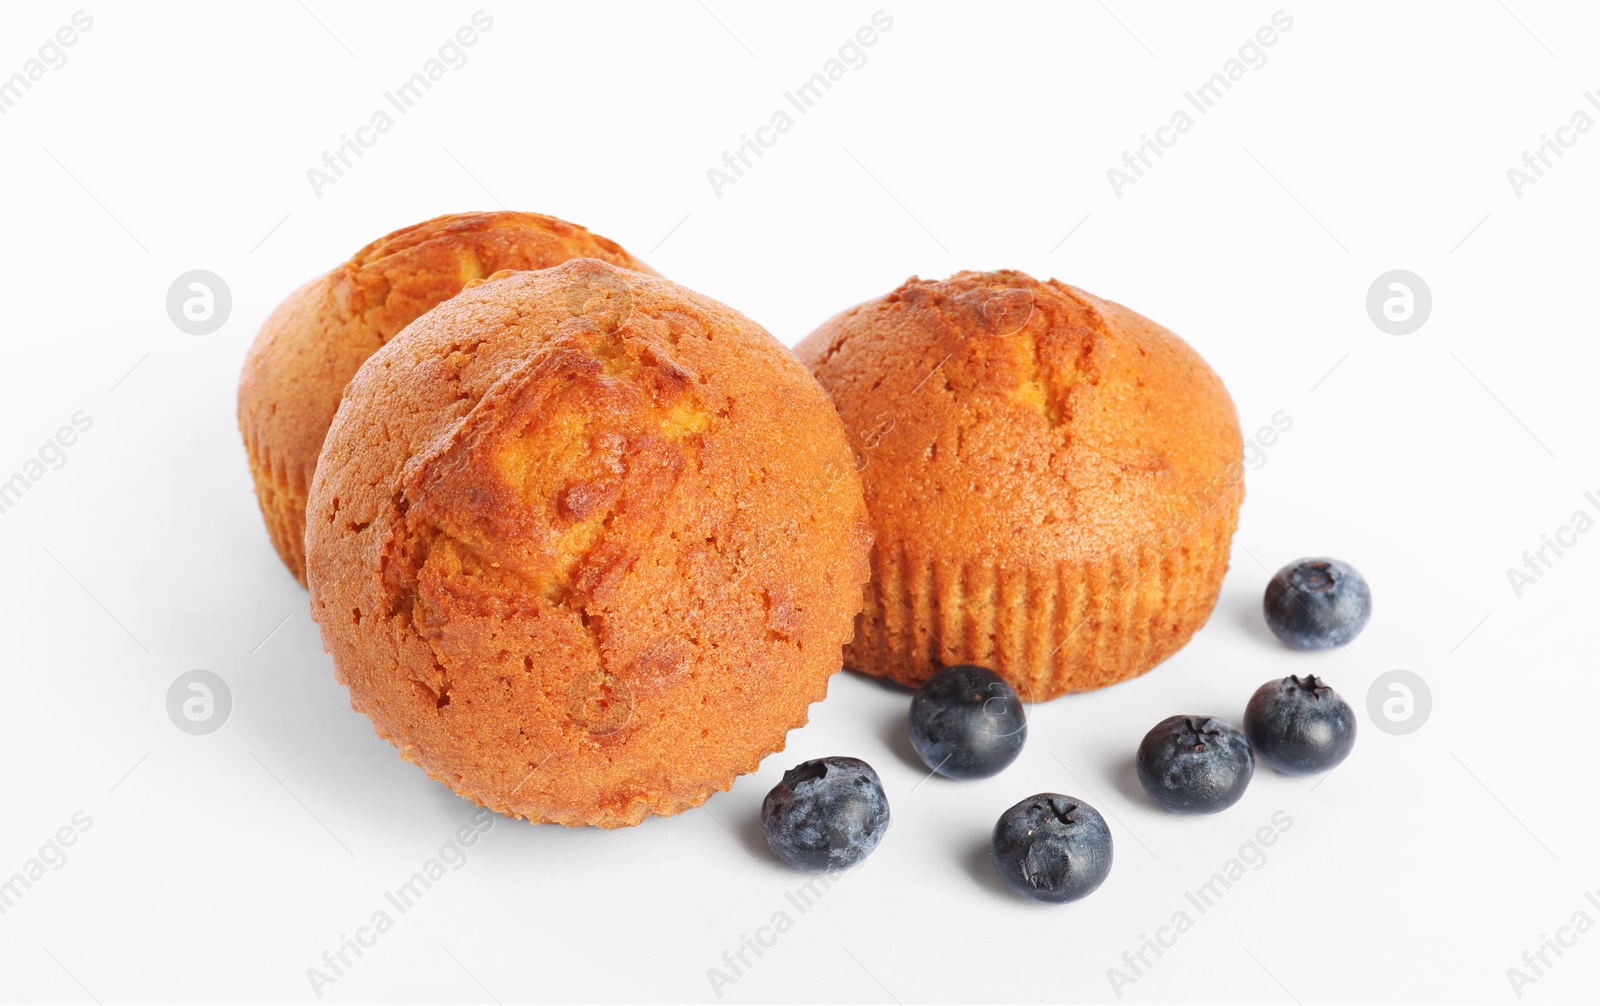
(317, 339)
(585, 545)
(1053, 480)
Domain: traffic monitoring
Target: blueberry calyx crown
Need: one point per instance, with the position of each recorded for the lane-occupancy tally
(1061, 810)
(1200, 730)
(1308, 684)
(805, 772)
(1315, 577)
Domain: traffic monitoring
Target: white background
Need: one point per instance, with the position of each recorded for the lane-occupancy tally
(1377, 136)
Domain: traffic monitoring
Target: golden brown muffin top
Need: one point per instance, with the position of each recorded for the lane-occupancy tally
(395, 279)
(583, 542)
(999, 417)
(316, 341)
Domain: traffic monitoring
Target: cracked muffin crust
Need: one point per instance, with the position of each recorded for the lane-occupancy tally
(1053, 480)
(585, 545)
(317, 339)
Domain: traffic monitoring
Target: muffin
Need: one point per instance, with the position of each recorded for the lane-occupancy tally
(317, 339)
(585, 545)
(1053, 480)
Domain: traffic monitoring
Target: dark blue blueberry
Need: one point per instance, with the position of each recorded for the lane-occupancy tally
(1299, 725)
(1317, 604)
(967, 722)
(828, 814)
(1052, 848)
(1195, 764)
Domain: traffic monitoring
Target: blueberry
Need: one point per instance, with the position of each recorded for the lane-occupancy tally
(1300, 725)
(1052, 848)
(967, 722)
(1195, 764)
(1317, 604)
(826, 815)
